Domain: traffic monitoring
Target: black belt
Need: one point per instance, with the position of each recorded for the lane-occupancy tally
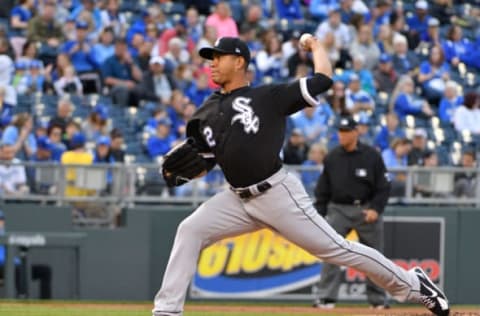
(351, 202)
(251, 191)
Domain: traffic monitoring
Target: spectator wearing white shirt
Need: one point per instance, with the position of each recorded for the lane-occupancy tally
(467, 116)
(13, 175)
(365, 45)
(68, 83)
(340, 31)
(7, 70)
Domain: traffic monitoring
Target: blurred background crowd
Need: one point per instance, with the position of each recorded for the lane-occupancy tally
(115, 81)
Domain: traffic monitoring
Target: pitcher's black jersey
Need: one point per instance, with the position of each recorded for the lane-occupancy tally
(244, 129)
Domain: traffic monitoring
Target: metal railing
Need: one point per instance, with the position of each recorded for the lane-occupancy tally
(128, 184)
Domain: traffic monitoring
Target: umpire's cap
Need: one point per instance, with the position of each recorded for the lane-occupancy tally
(346, 123)
(227, 46)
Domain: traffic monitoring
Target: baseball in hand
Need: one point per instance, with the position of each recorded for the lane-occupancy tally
(304, 41)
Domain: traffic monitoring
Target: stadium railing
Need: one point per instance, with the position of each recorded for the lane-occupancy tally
(129, 184)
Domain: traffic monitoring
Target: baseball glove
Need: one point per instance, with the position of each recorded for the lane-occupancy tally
(182, 163)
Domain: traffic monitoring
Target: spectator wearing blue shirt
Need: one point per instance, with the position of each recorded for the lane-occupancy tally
(269, 61)
(418, 22)
(102, 156)
(139, 26)
(160, 143)
(81, 55)
(434, 72)
(6, 109)
(32, 81)
(449, 102)
(404, 102)
(319, 8)
(365, 135)
(120, 74)
(316, 155)
(389, 132)
(356, 99)
(104, 48)
(19, 135)
(456, 47)
(396, 157)
(54, 134)
(290, 10)
(199, 91)
(19, 17)
(44, 149)
(313, 122)
(383, 9)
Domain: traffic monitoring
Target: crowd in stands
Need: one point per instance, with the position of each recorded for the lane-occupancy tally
(73, 72)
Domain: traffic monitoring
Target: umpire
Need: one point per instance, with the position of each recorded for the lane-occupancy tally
(352, 192)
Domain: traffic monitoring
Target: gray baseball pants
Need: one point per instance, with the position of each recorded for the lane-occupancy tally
(343, 218)
(287, 209)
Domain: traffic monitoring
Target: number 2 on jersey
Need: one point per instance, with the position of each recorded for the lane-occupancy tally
(207, 131)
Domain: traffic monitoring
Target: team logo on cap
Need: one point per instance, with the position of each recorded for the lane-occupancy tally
(217, 42)
(246, 116)
(344, 122)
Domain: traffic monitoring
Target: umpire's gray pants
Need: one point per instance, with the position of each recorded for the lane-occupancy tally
(343, 218)
(287, 209)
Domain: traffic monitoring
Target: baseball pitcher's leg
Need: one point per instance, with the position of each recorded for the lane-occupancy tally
(221, 216)
(371, 235)
(331, 274)
(288, 209)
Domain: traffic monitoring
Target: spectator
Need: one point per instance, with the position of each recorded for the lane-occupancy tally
(418, 22)
(466, 182)
(313, 122)
(316, 155)
(389, 132)
(319, 8)
(443, 10)
(97, 123)
(222, 21)
(398, 26)
(467, 116)
(179, 30)
(449, 102)
(340, 31)
(120, 74)
(296, 150)
(111, 18)
(199, 91)
(45, 30)
(336, 98)
(177, 54)
(332, 50)
(19, 18)
(81, 54)
(71, 129)
(44, 150)
(13, 175)
(433, 32)
(269, 61)
(69, 83)
(117, 151)
(77, 155)
(32, 81)
(105, 47)
(102, 151)
(299, 57)
(194, 27)
(364, 133)
(404, 61)
(6, 110)
(366, 77)
(160, 143)
(289, 10)
(384, 75)
(209, 37)
(404, 102)
(64, 112)
(455, 46)
(394, 157)
(254, 19)
(19, 135)
(365, 46)
(57, 147)
(433, 75)
(419, 147)
(357, 99)
(144, 54)
(156, 85)
(6, 73)
(140, 25)
(429, 160)
(385, 39)
(57, 70)
(89, 13)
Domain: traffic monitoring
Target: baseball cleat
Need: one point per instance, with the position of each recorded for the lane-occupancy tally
(431, 296)
(325, 304)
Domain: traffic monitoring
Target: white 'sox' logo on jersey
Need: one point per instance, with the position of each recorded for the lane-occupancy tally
(246, 116)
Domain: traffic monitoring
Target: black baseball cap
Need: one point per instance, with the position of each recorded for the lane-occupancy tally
(227, 46)
(346, 123)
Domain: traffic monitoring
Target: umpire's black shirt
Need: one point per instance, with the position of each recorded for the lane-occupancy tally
(244, 129)
(353, 177)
